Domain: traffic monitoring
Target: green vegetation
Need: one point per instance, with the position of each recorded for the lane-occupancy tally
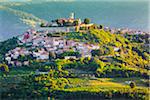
(76, 22)
(132, 85)
(100, 88)
(137, 38)
(25, 58)
(130, 55)
(81, 37)
(69, 53)
(56, 34)
(87, 21)
(5, 67)
(101, 26)
(8, 45)
(108, 74)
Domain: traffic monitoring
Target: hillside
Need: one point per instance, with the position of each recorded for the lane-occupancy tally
(107, 73)
(126, 57)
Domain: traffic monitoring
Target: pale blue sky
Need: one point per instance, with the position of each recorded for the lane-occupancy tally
(71, 0)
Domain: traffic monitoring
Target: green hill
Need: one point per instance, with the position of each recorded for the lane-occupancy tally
(126, 58)
(104, 75)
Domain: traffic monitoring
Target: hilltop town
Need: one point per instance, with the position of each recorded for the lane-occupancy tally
(39, 44)
(69, 58)
(76, 24)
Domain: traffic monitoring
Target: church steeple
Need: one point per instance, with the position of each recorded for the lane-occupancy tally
(72, 15)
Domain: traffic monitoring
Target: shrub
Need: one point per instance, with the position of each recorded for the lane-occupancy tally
(132, 84)
(86, 20)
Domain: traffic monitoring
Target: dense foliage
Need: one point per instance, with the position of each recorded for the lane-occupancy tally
(8, 45)
(69, 53)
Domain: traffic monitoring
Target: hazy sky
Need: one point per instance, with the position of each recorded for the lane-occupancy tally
(72, 0)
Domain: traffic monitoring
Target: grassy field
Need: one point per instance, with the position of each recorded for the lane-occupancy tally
(104, 88)
(106, 82)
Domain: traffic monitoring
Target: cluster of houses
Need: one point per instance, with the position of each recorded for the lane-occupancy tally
(38, 45)
(124, 31)
(131, 34)
(12, 56)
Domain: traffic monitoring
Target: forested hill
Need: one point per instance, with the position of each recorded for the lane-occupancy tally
(131, 54)
(120, 60)
(115, 50)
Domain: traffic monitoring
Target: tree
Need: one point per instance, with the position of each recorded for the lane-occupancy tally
(42, 25)
(132, 84)
(101, 26)
(99, 52)
(146, 56)
(21, 58)
(86, 20)
(68, 53)
(76, 23)
(8, 45)
(6, 68)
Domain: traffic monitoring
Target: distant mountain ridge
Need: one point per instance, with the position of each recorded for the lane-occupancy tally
(71, 0)
(36, 0)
